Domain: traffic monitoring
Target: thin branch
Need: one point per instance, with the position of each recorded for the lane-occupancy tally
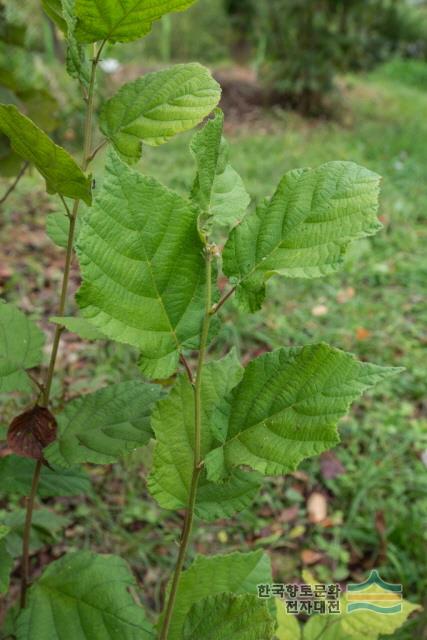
(15, 182)
(98, 148)
(25, 574)
(187, 368)
(217, 307)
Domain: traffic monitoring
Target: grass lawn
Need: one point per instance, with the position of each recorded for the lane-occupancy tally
(376, 484)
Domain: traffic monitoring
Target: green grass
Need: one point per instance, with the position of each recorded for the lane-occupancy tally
(375, 307)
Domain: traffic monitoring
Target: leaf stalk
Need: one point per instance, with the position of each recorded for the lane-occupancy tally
(15, 182)
(216, 307)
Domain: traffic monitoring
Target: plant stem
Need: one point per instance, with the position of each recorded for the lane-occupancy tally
(72, 228)
(198, 463)
(59, 329)
(15, 182)
(26, 537)
(63, 299)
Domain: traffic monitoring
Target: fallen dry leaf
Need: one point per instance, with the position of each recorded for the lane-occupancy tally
(317, 507)
(287, 515)
(344, 295)
(330, 465)
(308, 556)
(362, 333)
(319, 310)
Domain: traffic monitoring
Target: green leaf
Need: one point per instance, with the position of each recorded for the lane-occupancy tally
(21, 343)
(237, 573)
(143, 268)
(157, 106)
(287, 406)
(45, 529)
(99, 427)
(84, 595)
(6, 564)
(6, 560)
(16, 474)
(40, 106)
(4, 531)
(53, 8)
(357, 625)
(226, 615)
(79, 326)
(61, 172)
(57, 228)
(288, 627)
(121, 20)
(173, 423)
(218, 190)
(8, 629)
(78, 64)
(304, 230)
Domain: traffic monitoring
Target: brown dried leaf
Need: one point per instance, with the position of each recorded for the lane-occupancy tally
(31, 431)
(289, 514)
(362, 334)
(308, 556)
(331, 467)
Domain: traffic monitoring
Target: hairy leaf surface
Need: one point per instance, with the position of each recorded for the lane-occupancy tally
(59, 169)
(101, 426)
(218, 190)
(287, 406)
(121, 20)
(173, 423)
(304, 230)
(16, 474)
(143, 268)
(82, 327)
(157, 106)
(237, 573)
(243, 617)
(21, 343)
(84, 595)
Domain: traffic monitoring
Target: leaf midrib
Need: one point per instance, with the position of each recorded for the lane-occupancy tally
(271, 417)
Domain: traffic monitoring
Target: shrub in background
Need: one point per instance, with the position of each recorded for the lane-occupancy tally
(301, 45)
